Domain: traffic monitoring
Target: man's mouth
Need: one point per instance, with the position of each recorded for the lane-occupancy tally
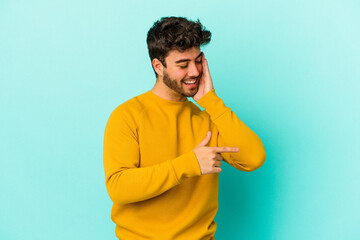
(190, 83)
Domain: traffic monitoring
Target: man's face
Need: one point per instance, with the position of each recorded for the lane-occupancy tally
(182, 68)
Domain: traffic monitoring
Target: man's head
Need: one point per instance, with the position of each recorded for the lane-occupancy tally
(174, 49)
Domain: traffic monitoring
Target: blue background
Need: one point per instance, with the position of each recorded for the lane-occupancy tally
(288, 69)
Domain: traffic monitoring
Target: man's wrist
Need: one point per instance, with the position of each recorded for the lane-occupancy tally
(212, 104)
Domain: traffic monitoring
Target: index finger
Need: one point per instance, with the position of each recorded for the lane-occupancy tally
(225, 149)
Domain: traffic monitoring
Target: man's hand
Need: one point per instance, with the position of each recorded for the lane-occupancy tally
(209, 158)
(205, 83)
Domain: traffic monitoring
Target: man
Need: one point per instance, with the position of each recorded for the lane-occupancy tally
(162, 154)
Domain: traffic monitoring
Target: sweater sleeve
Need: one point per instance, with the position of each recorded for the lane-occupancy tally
(125, 181)
(232, 132)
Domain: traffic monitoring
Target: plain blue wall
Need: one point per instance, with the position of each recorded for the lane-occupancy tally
(288, 69)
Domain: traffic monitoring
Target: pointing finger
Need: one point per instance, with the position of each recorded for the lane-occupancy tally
(225, 149)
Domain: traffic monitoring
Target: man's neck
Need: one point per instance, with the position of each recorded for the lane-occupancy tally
(161, 90)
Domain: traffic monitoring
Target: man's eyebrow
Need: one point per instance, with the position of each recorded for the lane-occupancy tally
(187, 60)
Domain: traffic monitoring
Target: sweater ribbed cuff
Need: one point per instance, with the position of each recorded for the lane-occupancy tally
(213, 105)
(186, 165)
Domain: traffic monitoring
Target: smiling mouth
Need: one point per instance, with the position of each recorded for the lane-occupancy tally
(191, 85)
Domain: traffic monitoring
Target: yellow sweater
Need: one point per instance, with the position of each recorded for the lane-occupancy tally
(152, 174)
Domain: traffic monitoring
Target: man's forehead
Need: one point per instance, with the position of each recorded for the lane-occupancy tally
(191, 53)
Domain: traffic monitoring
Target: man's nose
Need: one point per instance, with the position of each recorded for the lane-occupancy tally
(193, 70)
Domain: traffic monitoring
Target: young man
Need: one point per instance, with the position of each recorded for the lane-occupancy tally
(162, 154)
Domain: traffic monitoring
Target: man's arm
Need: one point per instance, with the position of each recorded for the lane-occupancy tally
(234, 133)
(125, 181)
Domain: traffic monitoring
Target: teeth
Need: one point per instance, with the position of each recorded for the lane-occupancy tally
(190, 81)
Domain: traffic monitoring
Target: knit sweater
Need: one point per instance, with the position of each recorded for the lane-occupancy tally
(152, 174)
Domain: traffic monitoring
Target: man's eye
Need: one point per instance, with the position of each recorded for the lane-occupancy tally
(200, 61)
(184, 66)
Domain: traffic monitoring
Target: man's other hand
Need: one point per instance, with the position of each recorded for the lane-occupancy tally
(209, 158)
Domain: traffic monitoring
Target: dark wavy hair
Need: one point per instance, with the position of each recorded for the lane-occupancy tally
(175, 33)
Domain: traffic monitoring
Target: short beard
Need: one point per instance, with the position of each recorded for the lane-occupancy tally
(173, 84)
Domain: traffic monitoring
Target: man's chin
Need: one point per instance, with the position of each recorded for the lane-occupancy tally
(191, 94)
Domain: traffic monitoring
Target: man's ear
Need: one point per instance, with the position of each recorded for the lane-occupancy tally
(158, 66)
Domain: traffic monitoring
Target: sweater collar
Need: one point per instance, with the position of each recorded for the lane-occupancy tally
(164, 101)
